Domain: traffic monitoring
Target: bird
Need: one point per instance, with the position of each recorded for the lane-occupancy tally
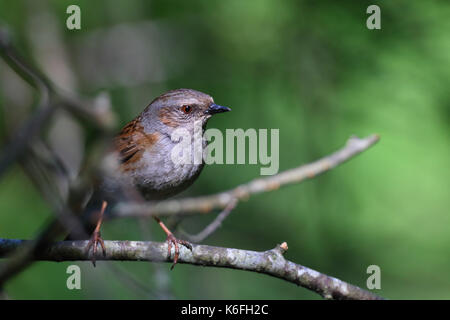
(143, 152)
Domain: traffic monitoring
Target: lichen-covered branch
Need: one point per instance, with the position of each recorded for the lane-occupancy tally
(271, 262)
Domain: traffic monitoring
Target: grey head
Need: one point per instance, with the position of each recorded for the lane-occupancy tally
(180, 108)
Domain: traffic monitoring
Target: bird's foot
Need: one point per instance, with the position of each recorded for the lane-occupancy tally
(96, 238)
(94, 242)
(171, 240)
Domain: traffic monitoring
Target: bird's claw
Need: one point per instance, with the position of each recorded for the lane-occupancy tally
(94, 242)
(172, 240)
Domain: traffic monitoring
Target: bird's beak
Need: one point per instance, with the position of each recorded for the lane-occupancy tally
(215, 108)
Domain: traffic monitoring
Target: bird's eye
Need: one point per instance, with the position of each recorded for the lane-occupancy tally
(186, 109)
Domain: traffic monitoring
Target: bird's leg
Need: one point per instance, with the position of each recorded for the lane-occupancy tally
(96, 237)
(172, 240)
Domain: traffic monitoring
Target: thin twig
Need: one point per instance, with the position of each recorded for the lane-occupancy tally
(271, 262)
(206, 204)
(51, 97)
(128, 280)
(212, 227)
(38, 171)
(21, 139)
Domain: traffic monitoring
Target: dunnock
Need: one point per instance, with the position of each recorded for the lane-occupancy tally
(143, 149)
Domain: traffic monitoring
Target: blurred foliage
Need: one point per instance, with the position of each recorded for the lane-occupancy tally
(310, 68)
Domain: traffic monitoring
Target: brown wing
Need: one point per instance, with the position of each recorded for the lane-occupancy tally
(132, 141)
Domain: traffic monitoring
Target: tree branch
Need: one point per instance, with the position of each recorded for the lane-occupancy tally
(206, 204)
(271, 262)
(210, 228)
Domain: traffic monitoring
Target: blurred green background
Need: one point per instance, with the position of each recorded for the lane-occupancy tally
(311, 69)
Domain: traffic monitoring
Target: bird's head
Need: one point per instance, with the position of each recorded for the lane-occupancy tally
(180, 108)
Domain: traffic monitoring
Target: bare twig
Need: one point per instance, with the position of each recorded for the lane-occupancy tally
(27, 72)
(213, 226)
(205, 204)
(269, 262)
(137, 286)
(38, 171)
(32, 127)
(50, 98)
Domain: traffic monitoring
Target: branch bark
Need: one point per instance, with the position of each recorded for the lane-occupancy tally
(271, 262)
(206, 204)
